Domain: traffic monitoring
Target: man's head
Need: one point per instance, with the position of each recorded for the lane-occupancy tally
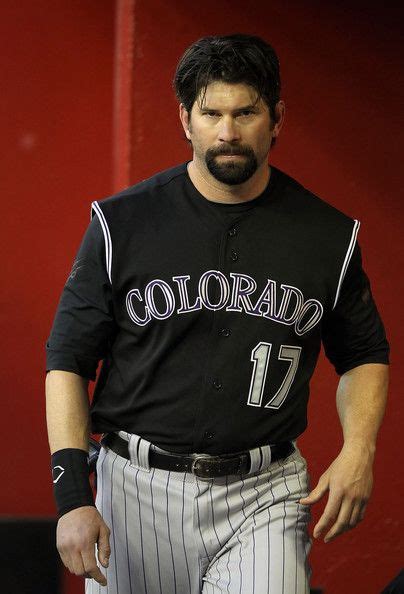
(232, 59)
(229, 88)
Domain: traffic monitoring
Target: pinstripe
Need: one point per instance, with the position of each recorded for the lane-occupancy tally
(169, 534)
(219, 574)
(283, 533)
(199, 520)
(126, 525)
(256, 490)
(269, 537)
(283, 547)
(228, 518)
(200, 569)
(306, 545)
(241, 488)
(112, 518)
(108, 570)
(297, 522)
(229, 571)
(223, 564)
(102, 503)
(239, 565)
(227, 503)
(253, 557)
(154, 527)
(269, 551)
(253, 536)
(213, 515)
(245, 517)
(141, 530)
(183, 530)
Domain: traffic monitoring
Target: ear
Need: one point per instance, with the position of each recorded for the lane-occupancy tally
(184, 117)
(280, 117)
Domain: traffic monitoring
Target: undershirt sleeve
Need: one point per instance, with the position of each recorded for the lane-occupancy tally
(84, 327)
(353, 332)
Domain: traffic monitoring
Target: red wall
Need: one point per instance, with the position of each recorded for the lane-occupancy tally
(343, 87)
(56, 128)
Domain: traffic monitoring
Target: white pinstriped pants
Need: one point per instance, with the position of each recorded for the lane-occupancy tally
(174, 533)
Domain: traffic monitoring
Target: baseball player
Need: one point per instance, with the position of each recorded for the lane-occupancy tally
(206, 291)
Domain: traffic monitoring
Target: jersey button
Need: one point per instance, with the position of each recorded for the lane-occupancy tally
(234, 256)
(217, 384)
(209, 435)
(232, 232)
(225, 332)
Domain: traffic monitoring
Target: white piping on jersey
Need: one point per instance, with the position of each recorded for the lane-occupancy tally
(107, 237)
(347, 259)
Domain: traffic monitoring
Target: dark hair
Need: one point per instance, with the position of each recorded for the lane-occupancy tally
(237, 58)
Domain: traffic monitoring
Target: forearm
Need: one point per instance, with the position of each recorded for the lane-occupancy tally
(361, 402)
(67, 410)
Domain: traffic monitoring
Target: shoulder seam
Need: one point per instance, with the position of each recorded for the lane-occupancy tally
(174, 176)
(141, 187)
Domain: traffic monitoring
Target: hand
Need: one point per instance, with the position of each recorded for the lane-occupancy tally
(349, 481)
(77, 533)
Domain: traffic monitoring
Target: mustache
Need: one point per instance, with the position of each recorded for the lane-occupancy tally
(230, 150)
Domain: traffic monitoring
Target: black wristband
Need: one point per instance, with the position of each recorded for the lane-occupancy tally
(71, 486)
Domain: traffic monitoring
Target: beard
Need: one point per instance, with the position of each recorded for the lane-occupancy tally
(231, 171)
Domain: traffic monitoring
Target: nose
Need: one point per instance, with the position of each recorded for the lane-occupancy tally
(228, 131)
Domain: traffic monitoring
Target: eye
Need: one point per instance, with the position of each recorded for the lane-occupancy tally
(211, 113)
(246, 112)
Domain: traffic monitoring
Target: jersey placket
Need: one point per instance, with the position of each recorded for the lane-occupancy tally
(219, 348)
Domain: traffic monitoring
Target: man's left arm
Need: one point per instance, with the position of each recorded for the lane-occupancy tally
(361, 401)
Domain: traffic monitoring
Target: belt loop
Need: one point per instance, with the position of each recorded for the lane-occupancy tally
(266, 456)
(123, 434)
(139, 451)
(255, 456)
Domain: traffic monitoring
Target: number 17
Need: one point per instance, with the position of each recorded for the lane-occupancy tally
(260, 357)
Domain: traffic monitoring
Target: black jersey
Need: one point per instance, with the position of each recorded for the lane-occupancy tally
(209, 317)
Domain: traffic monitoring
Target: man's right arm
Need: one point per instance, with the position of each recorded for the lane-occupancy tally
(67, 410)
(82, 332)
(68, 421)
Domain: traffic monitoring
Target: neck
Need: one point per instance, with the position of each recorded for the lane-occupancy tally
(214, 190)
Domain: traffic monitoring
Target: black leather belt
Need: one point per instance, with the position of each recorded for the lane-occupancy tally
(201, 465)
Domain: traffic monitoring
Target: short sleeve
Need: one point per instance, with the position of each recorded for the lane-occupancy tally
(84, 327)
(353, 332)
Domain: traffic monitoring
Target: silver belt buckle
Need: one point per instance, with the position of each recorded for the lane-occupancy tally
(197, 458)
